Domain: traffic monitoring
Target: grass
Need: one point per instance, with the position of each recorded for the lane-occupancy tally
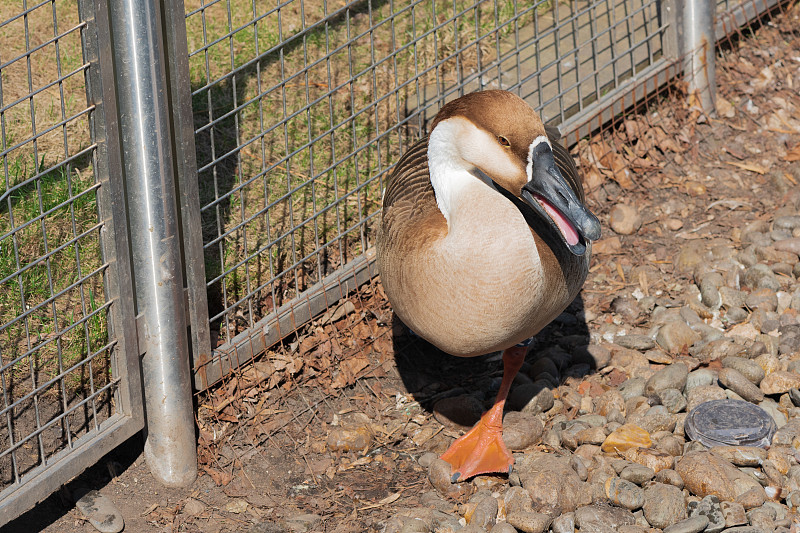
(292, 146)
(299, 110)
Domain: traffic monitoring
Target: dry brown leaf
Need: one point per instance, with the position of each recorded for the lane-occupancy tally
(793, 154)
(748, 166)
(348, 369)
(220, 477)
(611, 245)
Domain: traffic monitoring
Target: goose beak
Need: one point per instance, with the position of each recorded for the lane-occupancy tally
(549, 195)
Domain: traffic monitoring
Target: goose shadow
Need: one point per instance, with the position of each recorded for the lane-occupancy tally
(559, 351)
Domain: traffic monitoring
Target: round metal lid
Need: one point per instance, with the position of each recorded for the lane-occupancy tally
(730, 423)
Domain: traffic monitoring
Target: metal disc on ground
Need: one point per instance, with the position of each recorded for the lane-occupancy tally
(730, 423)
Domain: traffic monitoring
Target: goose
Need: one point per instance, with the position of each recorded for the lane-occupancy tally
(484, 239)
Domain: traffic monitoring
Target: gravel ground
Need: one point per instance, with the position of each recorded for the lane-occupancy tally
(693, 296)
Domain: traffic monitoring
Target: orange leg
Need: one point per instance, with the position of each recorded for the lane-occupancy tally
(481, 450)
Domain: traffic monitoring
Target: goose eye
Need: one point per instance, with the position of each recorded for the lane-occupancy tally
(503, 141)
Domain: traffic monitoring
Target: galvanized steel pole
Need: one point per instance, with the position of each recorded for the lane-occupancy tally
(144, 124)
(697, 49)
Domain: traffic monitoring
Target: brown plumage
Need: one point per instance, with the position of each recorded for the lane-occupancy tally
(478, 290)
(483, 240)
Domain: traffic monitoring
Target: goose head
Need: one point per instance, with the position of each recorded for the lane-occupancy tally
(496, 137)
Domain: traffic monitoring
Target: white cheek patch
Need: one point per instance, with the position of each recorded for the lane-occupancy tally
(536, 142)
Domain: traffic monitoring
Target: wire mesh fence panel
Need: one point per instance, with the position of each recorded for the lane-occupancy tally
(302, 107)
(59, 380)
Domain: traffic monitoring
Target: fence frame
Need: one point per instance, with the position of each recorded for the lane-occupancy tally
(128, 418)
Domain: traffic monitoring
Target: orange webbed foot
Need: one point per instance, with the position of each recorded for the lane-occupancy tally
(481, 450)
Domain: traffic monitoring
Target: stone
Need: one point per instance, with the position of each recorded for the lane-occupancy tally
(655, 421)
(626, 437)
(635, 342)
(670, 377)
(564, 523)
(100, 512)
(532, 398)
(705, 474)
(458, 412)
(612, 517)
(657, 460)
(608, 401)
(504, 527)
(624, 219)
(481, 510)
(735, 381)
(669, 477)
(552, 483)
(664, 505)
(704, 394)
(346, 438)
(699, 378)
(672, 399)
(637, 474)
(779, 382)
(193, 507)
(624, 493)
(741, 455)
(716, 349)
(439, 476)
(592, 435)
(762, 299)
(304, 523)
(747, 367)
(676, 336)
(710, 508)
(521, 430)
(520, 514)
(595, 355)
(631, 388)
(695, 524)
(732, 298)
(734, 514)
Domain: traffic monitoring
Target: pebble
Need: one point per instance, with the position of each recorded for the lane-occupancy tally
(637, 474)
(695, 524)
(670, 377)
(631, 388)
(664, 505)
(626, 437)
(521, 430)
(564, 523)
(674, 337)
(503, 527)
(101, 512)
(747, 367)
(779, 382)
(532, 398)
(624, 493)
(654, 459)
(669, 477)
(710, 508)
(193, 507)
(625, 219)
(699, 378)
(458, 412)
(673, 400)
(704, 474)
(703, 394)
(741, 455)
(738, 383)
(345, 439)
(734, 514)
(588, 516)
(635, 342)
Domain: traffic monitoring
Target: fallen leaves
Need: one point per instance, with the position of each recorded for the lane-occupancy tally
(793, 154)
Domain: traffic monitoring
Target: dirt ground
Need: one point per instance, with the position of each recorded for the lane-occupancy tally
(324, 433)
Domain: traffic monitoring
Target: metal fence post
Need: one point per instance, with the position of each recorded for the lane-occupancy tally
(696, 45)
(148, 166)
